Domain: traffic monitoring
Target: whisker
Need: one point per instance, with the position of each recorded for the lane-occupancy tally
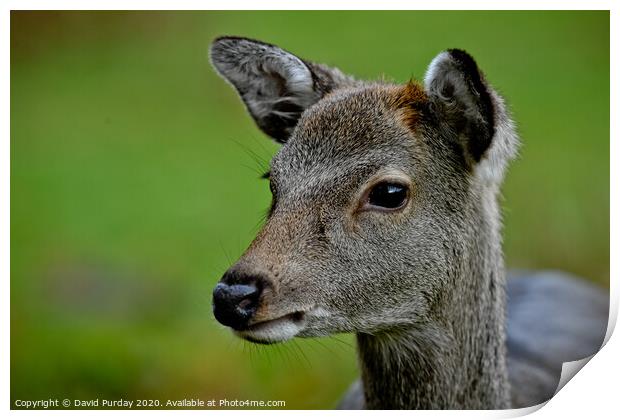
(301, 351)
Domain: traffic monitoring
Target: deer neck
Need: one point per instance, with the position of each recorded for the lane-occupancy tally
(455, 358)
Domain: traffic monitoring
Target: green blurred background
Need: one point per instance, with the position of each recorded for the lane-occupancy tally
(134, 184)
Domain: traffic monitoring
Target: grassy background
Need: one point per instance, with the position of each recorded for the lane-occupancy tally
(134, 184)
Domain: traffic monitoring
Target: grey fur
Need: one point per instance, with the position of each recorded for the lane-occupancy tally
(423, 288)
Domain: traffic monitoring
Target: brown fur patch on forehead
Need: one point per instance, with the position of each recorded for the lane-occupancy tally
(409, 100)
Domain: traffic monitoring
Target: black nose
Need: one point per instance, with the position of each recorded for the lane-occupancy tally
(235, 300)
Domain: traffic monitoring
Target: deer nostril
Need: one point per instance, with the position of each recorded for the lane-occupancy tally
(245, 303)
(234, 305)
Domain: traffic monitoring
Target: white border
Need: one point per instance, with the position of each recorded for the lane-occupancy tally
(593, 394)
(310, 5)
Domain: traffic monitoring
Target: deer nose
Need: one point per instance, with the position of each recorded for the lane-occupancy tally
(234, 304)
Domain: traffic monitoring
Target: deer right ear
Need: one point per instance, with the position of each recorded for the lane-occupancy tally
(275, 85)
(461, 98)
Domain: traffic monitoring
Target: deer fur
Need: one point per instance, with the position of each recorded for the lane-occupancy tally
(423, 289)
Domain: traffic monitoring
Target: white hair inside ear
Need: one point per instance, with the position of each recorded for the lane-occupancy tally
(504, 146)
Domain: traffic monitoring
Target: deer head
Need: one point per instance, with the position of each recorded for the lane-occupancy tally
(383, 195)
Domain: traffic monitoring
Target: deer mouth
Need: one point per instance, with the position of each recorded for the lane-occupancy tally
(274, 330)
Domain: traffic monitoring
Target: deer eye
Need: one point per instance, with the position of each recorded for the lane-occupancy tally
(388, 195)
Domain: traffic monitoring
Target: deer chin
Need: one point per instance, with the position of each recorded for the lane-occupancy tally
(275, 330)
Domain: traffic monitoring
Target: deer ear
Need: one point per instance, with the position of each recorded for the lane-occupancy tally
(275, 85)
(461, 99)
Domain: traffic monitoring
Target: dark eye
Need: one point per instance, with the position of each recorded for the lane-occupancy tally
(388, 195)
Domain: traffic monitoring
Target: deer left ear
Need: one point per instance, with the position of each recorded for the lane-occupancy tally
(275, 85)
(461, 98)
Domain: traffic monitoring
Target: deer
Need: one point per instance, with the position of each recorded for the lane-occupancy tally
(385, 223)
